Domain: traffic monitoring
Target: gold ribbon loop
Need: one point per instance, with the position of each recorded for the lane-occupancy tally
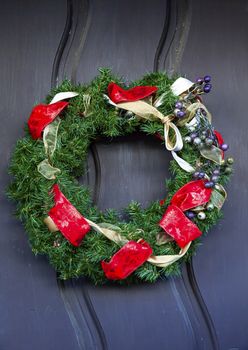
(166, 260)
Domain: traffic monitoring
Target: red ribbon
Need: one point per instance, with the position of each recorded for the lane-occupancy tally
(126, 260)
(220, 140)
(42, 115)
(174, 222)
(69, 221)
(117, 94)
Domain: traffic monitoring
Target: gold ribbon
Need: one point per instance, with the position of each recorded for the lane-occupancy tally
(50, 134)
(146, 111)
(218, 196)
(47, 170)
(166, 260)
(110, 232)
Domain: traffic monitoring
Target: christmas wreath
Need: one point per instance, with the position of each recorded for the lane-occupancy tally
(57, 211)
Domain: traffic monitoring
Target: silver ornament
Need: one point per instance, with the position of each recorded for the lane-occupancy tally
(187, 139)
(197, 141)
(201, 215)
(210, 207)
(191, 128)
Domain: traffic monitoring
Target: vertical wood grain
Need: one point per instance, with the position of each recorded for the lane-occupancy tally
(32, 312)
(217, 45)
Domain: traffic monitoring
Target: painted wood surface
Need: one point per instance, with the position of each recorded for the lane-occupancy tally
(43, 42)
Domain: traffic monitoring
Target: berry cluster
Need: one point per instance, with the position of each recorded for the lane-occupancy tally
(204, 138)
(180, 109)
(203, 84)
(225, 168)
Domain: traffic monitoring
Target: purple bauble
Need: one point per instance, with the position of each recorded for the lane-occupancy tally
(193, 135)
(224, 147)
(209, 184)
(196, 174)
(180, 114)
(199, 81)
(178, 105)
(201, 175)
(207, 88)
(215, 178)
(190, 214)
(216, 172)
(207, 78)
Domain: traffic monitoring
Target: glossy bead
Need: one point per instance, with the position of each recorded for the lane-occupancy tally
(193, 135)
(197, 141)
(228, 170)
(178, 105)
(204, 132)
(207, 88)
(208, 142)
(201, 175)
(210, 207)
(199, 81)
(215, 178)
(203, 137)
(222, 162)
(180, 114)
(196, 174)
(224, 147)
(187, 139)
(207, 78)
(216, 172)
(201, 145)
(230, 160)
(190, 214)
(201, 215)
(209, 184)
(191, 128)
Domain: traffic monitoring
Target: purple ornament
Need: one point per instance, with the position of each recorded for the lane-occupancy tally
(180, 114)
(207, 88)
(193, 135)
(224, 147)
(196, 174)
(209, 184)
(216, 172)
(207, 78)
(201, 175)
(215, 178)
(199, 80)
(178, 105)
(190, 214)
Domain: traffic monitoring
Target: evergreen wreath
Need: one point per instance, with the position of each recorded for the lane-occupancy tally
(78, 238)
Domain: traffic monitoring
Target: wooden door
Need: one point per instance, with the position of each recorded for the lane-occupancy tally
(41, 43)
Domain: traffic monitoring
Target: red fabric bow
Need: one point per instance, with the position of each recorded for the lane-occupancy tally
(118, 95)
(42, 115)
(174, 222)
(126, 260)
(69, 221)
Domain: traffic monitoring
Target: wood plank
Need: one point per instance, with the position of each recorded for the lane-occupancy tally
(217, 45)
(32, 311)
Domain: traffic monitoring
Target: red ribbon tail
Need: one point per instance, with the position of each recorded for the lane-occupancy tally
(69, 221)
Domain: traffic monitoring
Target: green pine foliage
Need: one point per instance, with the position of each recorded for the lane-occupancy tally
(30, 189)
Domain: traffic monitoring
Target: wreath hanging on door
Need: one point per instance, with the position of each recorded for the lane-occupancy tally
(57, 211)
